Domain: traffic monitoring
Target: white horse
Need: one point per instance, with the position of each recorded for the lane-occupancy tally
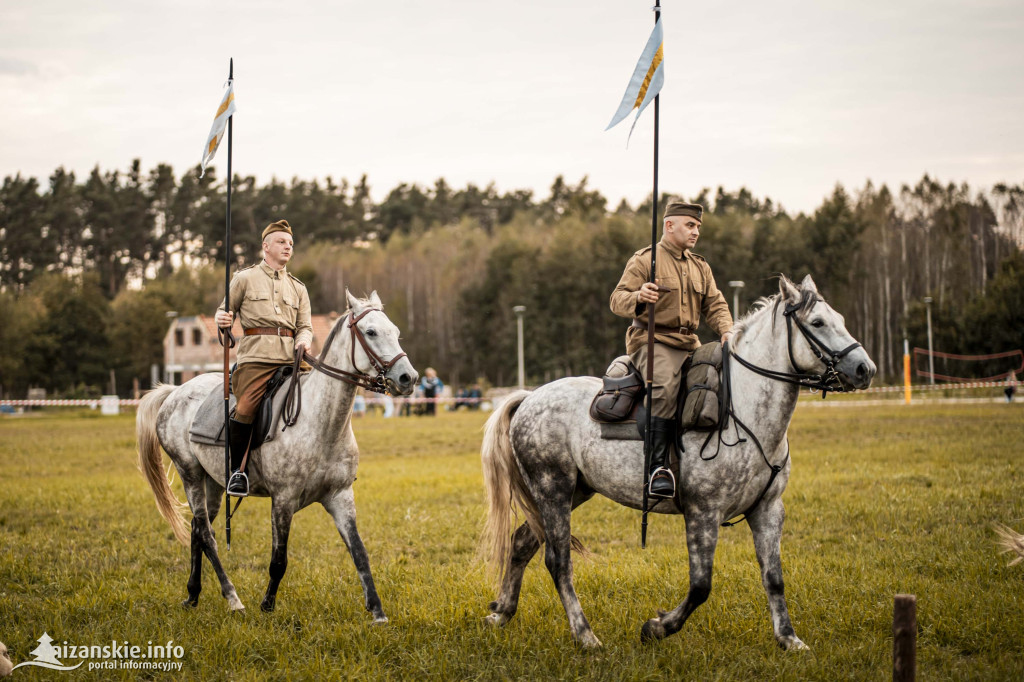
(543, 454)
(313, 461)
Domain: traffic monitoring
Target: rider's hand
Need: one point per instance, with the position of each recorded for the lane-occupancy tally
(725, 337)
(648, 293)
(224, 318)
(300, 348)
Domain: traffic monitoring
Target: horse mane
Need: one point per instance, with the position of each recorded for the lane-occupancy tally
(807, 299)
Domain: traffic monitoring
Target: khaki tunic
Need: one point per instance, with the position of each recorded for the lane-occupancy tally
(263, 297)
(694, 294)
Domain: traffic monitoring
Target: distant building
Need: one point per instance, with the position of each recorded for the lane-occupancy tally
(191, 346)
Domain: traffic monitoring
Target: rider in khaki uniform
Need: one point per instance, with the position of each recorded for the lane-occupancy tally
(685, 291)
(273, 306)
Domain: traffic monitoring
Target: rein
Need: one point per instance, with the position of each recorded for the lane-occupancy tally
(377, 384)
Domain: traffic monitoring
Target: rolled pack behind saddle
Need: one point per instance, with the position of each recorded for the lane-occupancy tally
(618, 408)
(208, 426)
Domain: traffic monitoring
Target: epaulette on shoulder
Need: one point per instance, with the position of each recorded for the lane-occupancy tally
(247, 267)
(699, 257)
(643, 250)
(296, 278)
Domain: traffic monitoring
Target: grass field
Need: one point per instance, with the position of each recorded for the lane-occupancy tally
(882, 500)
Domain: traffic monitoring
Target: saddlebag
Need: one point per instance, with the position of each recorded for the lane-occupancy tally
(701, 408)
(622, 388)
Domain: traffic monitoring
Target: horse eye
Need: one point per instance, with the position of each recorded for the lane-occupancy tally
(371, 332)
(818, 323)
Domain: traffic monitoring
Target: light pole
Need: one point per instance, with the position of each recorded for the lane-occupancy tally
(519, 310)
(931, 358)
(736, 285)
(168, 372)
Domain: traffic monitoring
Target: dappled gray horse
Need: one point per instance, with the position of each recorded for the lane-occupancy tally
(313, 461)
(542, 452)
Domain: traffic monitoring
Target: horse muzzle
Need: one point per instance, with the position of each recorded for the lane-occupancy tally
(857, 370)
(401, 379)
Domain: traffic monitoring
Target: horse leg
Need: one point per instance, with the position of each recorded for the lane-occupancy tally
(524, 547)
(342, 508)
(195, 578)
(281, 516)
(766, 527)
(555, 507)
(701, 539)
(202, 529)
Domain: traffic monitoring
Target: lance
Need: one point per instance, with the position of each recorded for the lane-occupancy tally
(228, 340)
(650, 314)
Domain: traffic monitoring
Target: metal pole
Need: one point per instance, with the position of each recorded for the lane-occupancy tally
(650, 309)
(519, 310)
(168, 373)
(227, 345)
(931, 358)
(736, 285)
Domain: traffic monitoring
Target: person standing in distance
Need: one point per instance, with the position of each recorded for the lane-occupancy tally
(273, 307)
(685, 291)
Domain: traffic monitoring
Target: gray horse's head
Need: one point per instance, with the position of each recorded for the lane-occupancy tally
(381, 336)
(855, 368)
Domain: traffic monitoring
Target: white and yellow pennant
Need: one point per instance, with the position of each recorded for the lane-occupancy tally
(646, 82)
(220, 122)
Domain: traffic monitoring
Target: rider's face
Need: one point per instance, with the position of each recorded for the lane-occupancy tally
(277, 249)
(682, 231)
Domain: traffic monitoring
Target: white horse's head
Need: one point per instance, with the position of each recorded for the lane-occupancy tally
(380, 336)
(822, 332)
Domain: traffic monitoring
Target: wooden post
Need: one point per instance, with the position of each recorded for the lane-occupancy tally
(904, 638)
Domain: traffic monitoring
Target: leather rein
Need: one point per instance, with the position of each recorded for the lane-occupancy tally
(377, 384)
(824, 382)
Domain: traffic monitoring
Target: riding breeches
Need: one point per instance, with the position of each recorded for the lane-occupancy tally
(668, 376)
(249, 384)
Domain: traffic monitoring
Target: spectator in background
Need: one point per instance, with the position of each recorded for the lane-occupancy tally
(432, 387)
(1011, 386)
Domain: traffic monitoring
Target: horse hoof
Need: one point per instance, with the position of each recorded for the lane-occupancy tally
(235, 604)
(380, 620)
(652, 630)
(496, 620)
(793, 644)
(267, 607)
(190, 603)
(588, 640)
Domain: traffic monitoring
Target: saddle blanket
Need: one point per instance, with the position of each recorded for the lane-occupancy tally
(208, 426)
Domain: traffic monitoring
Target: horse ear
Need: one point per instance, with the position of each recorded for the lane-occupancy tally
(375, 299)
(788, 289)
(353, 302)
(808, 284)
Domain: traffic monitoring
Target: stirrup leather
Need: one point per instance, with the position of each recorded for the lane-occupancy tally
(650, 483)
(235, 477)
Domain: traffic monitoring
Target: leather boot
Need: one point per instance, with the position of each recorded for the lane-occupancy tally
(240, 434)
(663, 435)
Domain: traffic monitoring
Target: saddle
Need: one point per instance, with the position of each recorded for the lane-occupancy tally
(619, 409)
(208, 425)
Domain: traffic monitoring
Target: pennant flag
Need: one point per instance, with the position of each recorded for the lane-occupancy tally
(220, 122)
(648, 77)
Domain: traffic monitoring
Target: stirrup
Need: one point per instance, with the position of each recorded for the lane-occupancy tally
(650, 484)
(238, 480)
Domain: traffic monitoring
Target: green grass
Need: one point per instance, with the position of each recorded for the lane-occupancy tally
(882, 500)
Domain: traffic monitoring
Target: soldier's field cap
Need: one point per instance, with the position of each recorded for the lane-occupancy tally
(279, 226)
(681, 208)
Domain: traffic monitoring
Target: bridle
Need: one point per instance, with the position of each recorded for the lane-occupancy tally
(378, 383)
(825, 381)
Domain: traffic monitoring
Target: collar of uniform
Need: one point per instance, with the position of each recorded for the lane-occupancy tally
(676, 252)
(271, 272)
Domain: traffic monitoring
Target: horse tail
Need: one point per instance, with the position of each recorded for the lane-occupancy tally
(1010, 543)
(151, 461)
(507, 493)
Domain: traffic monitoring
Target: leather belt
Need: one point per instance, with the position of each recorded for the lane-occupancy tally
(663, 329)
(269, 331)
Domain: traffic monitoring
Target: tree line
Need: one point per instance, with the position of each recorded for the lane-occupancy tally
(89, 268)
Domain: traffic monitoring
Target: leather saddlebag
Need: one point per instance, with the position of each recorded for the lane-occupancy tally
(622, 388)
(701, 407)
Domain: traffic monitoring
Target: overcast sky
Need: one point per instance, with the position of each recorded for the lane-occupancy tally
(786, 98)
